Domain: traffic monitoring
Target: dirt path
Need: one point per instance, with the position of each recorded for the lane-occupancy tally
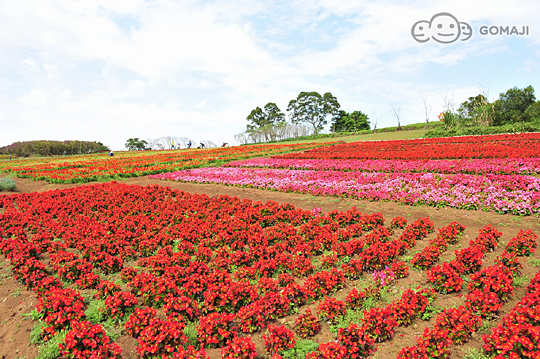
(14, 300)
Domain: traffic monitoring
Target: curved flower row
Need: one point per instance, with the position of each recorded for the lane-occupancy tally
(507, 166)
(501, 193)
(138, 163)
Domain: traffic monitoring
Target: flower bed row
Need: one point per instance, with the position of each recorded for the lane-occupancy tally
(522, 145)
(488, 289)
(507, 166)
(515, 194)
(133, 164)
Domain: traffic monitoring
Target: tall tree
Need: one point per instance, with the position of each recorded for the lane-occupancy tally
(134, 144)
(512, 104)
(312, 108)
(396, 111)
(349, 122)
(426, 108)
(269, 116)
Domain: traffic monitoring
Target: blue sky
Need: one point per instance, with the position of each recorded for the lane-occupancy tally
(110, 70)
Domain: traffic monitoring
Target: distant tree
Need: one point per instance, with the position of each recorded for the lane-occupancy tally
(349, 122)
(134, 144)
(426, 108)
(269, 116)
(312, 108)
(512, 105)
(396, 111)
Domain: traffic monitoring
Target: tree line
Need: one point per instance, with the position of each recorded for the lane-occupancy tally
(308, 114)
(513, 106)
(55, 148)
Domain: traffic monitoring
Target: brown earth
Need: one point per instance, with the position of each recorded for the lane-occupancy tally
(15, 300)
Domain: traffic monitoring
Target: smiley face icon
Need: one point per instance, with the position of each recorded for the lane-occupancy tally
(445, 28)
(420, 31)
(466, 31)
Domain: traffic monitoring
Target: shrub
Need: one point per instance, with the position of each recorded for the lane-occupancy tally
(459, 322)
(161, 338)
(331, 309)
(356, 340)
(216, 330)
(523, 244)
(239, 348)
(277, 339)
(88, 340)
(307, 325)
(444, 278)
(7, 184)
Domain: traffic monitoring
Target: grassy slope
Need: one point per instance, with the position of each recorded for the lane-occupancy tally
(400, 135)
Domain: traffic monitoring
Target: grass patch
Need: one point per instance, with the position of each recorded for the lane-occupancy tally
(520, 281)
(50, 349)
(534, 262)
(352, 316)
(300, 349)
(486, 327)
(94, 311)
(190, 331)
(431, 311)
(473, 353)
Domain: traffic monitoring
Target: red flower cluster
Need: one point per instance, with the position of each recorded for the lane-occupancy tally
(278, 338)
(86, 340)
(523, 244)
(518, 333)
(488, 146)
(331, 309)
(307, 325)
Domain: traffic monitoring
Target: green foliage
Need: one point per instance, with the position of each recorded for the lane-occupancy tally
(431, 311)
(312, 108)
(520, 280)
(485, 130)
(7, 184)
(134, 144)
(34, 315)
(349, 122)
(473, 353)
(533, 112)
(352, 316)
(269, 116)
(534, 262)
(55, 148)
(300, 349)
(512, 105)
(50, 349)
(113, 328)
(190, 331)
(94, 311)
(486, 327)
(36, 335)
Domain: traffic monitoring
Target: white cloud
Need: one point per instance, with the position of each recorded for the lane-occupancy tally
(112, 70)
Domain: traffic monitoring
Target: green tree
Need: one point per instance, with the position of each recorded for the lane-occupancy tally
(134, 144)
(269, 116)
(349, 122)
(512, 105)
(313, 108)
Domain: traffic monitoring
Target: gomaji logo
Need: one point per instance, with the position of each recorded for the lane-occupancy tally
(445, 28)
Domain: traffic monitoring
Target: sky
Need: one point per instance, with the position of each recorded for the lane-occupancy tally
(110, 70)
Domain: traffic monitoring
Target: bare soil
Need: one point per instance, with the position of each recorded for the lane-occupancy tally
(15, 300)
